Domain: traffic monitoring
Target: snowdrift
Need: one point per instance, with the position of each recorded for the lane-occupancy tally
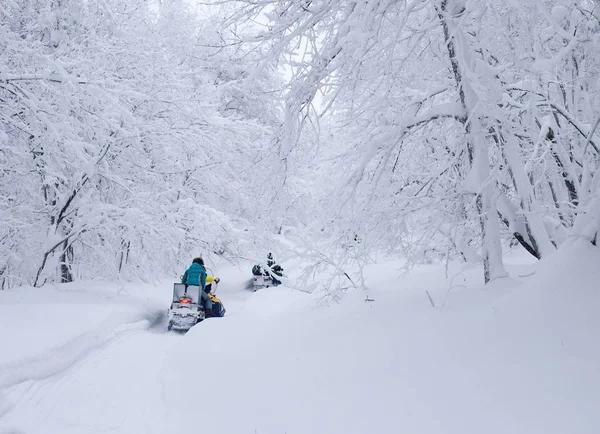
(511, 358)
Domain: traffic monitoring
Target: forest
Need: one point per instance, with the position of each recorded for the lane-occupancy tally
(299, 216)
(134, 134)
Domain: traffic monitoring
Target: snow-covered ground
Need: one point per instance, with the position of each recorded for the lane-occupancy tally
(430, 355)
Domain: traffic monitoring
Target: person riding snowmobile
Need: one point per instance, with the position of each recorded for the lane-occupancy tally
(275, 268)
(270, 260)
(257, 270)
(218, 310)
(209, 281)
(196, 275)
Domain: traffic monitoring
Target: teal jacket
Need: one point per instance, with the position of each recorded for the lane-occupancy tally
(195, 275)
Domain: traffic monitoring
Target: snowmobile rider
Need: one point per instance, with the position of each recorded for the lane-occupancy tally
(275, 268)
(270, 260)
(196, 275)
(209, 281)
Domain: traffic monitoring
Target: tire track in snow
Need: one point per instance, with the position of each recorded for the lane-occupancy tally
(101, 390)
(63, 357)
(40, 395)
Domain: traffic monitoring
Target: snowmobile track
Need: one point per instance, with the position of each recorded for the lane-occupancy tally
(61, 358)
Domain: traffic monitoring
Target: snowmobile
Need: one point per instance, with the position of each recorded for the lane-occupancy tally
(260, 279)
(186, 307)
(186, 310)
(263, 278)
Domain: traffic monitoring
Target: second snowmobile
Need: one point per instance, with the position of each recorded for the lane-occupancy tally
(264, 277)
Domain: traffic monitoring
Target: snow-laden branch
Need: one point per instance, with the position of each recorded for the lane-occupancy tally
(579, 127)
(52, 77)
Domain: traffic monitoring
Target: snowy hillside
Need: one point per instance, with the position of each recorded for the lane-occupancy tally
(517, 357)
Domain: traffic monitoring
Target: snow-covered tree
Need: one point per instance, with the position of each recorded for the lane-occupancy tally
(459, 122)
(127, 138)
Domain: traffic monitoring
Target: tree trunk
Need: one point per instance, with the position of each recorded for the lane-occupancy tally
(493, 266)
(477, 149)
(535, 230)
(124, 256)
(66, 258)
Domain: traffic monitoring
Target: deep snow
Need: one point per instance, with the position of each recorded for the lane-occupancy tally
(518, 356)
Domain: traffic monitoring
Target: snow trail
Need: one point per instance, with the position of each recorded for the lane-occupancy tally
(107, 378)
(63, 357)
(116, 390)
